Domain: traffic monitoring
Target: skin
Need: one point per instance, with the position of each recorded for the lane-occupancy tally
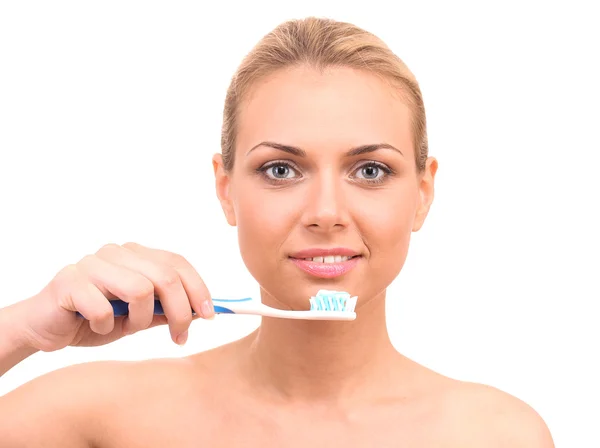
(290, 383)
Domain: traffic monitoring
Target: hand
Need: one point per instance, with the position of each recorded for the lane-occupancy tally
(132, 273)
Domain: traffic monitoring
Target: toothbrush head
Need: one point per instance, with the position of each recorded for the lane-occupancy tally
(327, 300)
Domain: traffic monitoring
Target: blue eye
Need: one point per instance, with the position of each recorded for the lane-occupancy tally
(279, 171)
(276, 171)
(370, 172)
(374, 172)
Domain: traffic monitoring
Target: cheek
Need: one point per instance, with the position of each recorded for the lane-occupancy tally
(264, 221)
(387, 230)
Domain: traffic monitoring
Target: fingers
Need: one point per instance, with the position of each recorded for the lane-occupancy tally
(136, 274)
(92, 304)
(114, 280)
(84, 297)
(198, 294)
(197, 291)
(166, 283)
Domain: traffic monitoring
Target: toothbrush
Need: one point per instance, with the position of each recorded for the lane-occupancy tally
(326, 305)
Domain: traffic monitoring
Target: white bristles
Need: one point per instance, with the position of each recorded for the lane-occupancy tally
(333, 301)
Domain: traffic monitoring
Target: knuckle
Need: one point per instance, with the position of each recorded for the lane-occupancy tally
(67, 273)
(176, 259)
(146, 289)
(168, 278)
(141, 289)
(131, 245)
(86, 261)
(108, 248)
(64, 278)
(61, 282)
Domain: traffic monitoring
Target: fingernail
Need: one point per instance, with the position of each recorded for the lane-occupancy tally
(182, 338)
(208, 310)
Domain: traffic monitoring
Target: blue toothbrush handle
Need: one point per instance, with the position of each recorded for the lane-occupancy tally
(121, 308)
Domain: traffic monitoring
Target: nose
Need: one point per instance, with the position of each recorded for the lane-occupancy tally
(326, 204)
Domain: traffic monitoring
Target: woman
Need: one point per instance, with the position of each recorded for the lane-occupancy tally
(324, 153)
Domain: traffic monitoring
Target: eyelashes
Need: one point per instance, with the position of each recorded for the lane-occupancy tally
(264, 170)
(285, 167)
(378, 166)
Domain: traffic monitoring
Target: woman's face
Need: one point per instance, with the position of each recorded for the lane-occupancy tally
(324, 162)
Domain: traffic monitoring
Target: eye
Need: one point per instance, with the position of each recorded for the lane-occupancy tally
(373, 172)
(278, 170)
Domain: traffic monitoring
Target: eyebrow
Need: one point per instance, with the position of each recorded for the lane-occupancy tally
(358, 150)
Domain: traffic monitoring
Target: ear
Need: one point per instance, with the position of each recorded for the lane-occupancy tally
(223, 187)
(426, 189)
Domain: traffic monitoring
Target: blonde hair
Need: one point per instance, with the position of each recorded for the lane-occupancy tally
(322, 43)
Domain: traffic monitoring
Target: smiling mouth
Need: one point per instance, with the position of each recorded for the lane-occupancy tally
(328, 259)
(329, 266)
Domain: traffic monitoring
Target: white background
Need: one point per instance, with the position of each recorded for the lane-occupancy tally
(110, 112)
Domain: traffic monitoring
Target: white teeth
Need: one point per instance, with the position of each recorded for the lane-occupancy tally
(329, 259)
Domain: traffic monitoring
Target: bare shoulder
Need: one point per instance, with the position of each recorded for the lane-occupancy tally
(487, 416)
(95, 383)
(74, 405)
(58, 408)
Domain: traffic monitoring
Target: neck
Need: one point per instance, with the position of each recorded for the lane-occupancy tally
(299, 360)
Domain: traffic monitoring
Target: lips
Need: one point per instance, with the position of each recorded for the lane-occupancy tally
(326, 269)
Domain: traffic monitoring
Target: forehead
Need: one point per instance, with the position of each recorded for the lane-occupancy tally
(339, 107)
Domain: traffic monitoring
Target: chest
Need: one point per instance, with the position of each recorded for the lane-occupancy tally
(239, 424)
